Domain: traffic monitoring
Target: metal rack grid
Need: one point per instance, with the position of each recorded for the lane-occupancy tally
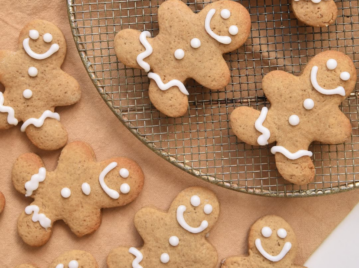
(201, 142)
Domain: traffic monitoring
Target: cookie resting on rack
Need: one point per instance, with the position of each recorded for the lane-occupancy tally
(188, 46)
(71, 259)
(35, 84)
(271, 243)
(74, 192)
(176, 238)
(303, 109)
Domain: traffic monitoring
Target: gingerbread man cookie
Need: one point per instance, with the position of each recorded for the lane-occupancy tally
(176, 238)
(2, 202)
(188, 45)
(316, 13)
(75, 192)
(71, 259)
(271, 243)
(35, 85)
(303, 109)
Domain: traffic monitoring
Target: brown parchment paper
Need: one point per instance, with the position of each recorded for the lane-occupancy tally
(92, 121)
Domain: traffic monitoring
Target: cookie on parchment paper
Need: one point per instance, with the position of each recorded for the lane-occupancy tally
(2, 202)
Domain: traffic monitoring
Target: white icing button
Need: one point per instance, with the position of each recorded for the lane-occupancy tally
(65, 192)
(34, 34)
(165, 258)
(86, 188)
(195, 201)
(294, 120)
(195, 43)
(47, 37)
(266, 231)
(282, 233)
(308, 104)
(316, 1)
(332, 64)
(233, 30)
(345, 76)
(125, 188)
(174, 241)
(208, 209)
(32, 71)
(225, 13)
(179, 54)
(124, 173)
(27, 93)
(73, 264)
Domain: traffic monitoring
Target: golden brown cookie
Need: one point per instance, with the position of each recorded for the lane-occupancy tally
(2, 202)
(176, 238)
(271, 243)
(316, 13)
(71, 259)
(35, 85)
(75, 192)
(303, 109)
(188, 45)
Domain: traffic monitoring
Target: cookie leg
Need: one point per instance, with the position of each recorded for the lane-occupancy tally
(120, 258)
(171, 102)
(3, 121)
(51, 136)
(237, 262)
(81, 227)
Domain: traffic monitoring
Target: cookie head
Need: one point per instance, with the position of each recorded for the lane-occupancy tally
(273, 239)
(42, 40)
(196, 210)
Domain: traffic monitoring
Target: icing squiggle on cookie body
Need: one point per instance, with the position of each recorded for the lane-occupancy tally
(33, 183)
(139, 257)
(313, 78)
(7, 109)
(289, 155)
(172, 83)
(280, 256)
(110, 192)
(53, 49)
(146, 53)
(40, 121)
(180, 219)
(262, 139)
(207, 25)
(44, 221)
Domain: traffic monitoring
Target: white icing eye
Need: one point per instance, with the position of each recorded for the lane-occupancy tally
(225, 13)
(332, 64)
(195, 43)
(65, 192)
(73, 264)
(179, 54)
(124, 173)
(266, 231)
(27, 93)
(165, 258)
(125, 188)
(47, 37)
(195, 201)
(32, 71)
(294, 120)
(308, 104)
(60, 265)
(34, 34)
(174, 241)
(208, 209)
(282, 233)
(345, 76)
(233, 30)
(86, 188)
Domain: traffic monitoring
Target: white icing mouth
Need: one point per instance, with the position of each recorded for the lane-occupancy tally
(313, 78)
(139, 257)
(40, 121)
(146, 53)
(172, 83)
(281, 255)
(289, 155)
(110, 192)
(7, 109)
(180, 219)
(207, 25)
(262, 139)
(33, 183)
(53, 49)
(44, 221)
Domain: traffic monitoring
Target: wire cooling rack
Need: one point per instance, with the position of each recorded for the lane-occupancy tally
(201, 142)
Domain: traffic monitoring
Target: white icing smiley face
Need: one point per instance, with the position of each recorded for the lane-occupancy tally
(266, 233)
(72, 264)
(34, 35)
(124, 188)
